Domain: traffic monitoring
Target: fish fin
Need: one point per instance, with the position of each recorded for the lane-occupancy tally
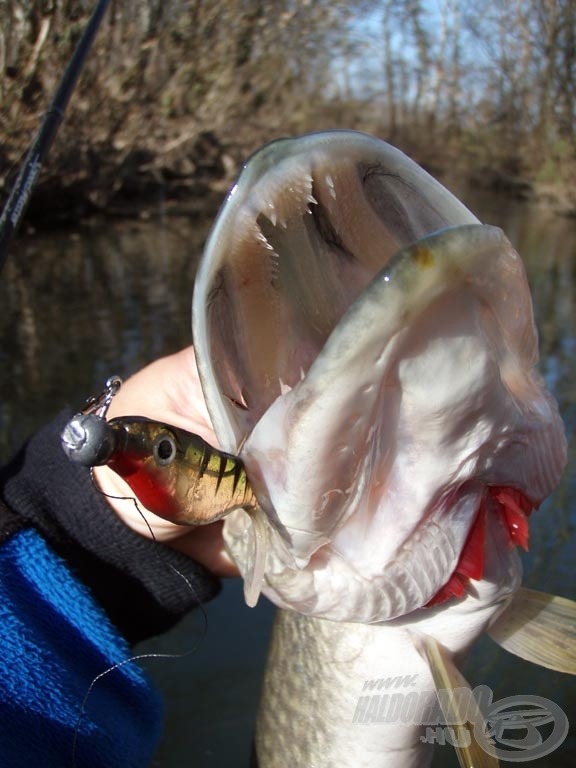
(255, 575)
(458, 705)
(539, 628)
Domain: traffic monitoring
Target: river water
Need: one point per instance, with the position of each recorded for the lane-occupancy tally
(80, 305)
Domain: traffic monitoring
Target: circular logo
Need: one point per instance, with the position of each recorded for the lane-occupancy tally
(513, 723)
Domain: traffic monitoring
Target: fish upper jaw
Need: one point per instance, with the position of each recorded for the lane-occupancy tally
(310, 222)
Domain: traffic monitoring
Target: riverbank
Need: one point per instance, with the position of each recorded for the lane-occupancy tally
(190, 174)
(175, 95)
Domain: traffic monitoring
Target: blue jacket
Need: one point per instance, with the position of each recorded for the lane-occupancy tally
(77, 587)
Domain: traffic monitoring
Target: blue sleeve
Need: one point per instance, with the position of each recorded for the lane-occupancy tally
(77, 587)
(55, 641)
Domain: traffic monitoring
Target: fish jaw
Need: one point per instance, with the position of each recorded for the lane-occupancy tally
(309, 223)
(371, 432)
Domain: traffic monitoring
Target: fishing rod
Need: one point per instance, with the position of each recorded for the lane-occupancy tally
(20, 195)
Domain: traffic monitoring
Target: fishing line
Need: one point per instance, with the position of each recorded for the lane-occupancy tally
(141, 656)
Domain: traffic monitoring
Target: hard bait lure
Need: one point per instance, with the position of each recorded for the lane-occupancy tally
(173, 473)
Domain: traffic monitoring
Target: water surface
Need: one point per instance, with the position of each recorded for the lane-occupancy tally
(79, 306)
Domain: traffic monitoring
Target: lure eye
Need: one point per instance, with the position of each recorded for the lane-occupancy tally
(164, 449)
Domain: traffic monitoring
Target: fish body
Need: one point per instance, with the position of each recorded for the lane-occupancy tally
(369, 350)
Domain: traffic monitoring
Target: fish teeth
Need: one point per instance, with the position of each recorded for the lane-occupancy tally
(274, 216)
(330, 184)
(280, 200)
(271, 214)
(274, 265)
(261, 237)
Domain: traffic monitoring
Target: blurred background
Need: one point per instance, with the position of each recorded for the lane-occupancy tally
(174, 97)
(176, 92)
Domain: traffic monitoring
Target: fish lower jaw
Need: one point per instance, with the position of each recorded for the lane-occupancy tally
(341, 583)
(331, 586)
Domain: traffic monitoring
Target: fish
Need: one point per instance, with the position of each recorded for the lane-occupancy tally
(173, 473)
(368, 349)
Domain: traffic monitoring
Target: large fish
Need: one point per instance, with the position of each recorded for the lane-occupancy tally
(368, 349)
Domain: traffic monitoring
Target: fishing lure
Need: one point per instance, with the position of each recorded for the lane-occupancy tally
(173, 473)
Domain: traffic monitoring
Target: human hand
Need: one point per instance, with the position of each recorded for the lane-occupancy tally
(167, 390)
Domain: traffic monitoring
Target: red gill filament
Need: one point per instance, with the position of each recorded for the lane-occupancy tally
(515, 508)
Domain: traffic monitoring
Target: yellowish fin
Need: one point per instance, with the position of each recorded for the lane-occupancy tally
(457, 708)
(539, 628)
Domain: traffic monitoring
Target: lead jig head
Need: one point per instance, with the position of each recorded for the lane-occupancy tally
(88, 439)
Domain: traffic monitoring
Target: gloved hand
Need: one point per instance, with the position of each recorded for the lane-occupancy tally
(167, 390)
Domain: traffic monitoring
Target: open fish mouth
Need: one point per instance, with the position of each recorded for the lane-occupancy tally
(309, 224)
(369, 349)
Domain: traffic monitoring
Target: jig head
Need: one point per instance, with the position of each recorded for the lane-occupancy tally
(88, 439)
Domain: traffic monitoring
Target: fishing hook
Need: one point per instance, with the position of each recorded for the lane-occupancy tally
(99, 404)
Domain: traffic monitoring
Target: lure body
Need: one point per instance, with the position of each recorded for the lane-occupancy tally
(173, 473)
